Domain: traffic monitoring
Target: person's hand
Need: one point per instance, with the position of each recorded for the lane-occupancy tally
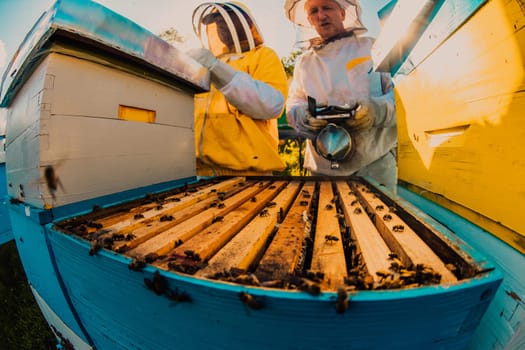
(221, 73)
(302, 121)
(364, 118)
(203, 56)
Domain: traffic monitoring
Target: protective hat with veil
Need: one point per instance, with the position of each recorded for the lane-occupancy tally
(226, 27)
(294, 10)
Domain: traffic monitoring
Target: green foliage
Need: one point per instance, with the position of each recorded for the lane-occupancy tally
(289, 62)
(291, 152)
(21, 323)
(172, 36)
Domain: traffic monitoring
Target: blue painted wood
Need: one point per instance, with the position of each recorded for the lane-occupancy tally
(119, 312)
(39, 265)
(5, 224)
(506, 314)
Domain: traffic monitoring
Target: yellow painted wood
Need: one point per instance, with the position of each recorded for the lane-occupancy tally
(136, 114)
(328, 254)
(461, 125)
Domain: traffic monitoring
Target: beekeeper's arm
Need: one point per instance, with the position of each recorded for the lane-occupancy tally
(297, 113)
(377, 111)
(253, 97)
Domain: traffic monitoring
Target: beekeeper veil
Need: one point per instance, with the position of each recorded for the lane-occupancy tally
(226, 27)
(295, 12)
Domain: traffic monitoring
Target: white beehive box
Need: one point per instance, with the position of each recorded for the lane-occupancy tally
(86, 120)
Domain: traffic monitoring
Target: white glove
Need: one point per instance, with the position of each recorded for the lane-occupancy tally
(301, 120)
(221, 73)
(367, 114)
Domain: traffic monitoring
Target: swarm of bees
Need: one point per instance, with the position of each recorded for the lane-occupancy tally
(301, 279)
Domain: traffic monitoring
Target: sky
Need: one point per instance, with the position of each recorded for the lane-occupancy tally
(18, 16)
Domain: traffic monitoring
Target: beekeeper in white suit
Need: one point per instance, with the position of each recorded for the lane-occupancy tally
(337, 70)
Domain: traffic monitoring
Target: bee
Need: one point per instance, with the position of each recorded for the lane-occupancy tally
(329, 206)
(52, 180)
(357, 211)
(331, 239)
(138, 216)
(398, 228)
(96, 245)
(192, 255)
(218, 218)
(177, 296)
(387, 217)
(396, 264)
(380, 207)
(281, 215)
(340, 215)
(158, 284)
(94, 225)
(273, 284)
(251, 301)
(382, 273)
(164, 218)
(151, 257)
(137, 264)
(342, 301)
(393, 256)
(264, 212)
(310, 287)
(254, 199)
(221, 205)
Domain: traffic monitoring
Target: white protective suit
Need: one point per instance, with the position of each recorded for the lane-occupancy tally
(334, 74)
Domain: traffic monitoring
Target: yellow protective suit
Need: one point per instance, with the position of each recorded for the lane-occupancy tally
(242, 140)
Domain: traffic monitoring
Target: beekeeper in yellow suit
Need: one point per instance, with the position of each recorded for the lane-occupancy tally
(236, 121)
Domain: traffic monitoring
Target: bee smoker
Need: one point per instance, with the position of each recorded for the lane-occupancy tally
(333, 142)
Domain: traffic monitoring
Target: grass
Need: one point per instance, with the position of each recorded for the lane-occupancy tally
(22, 325)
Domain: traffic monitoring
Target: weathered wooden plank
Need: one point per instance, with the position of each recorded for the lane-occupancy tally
(328, 253)
(248, 244)
(158, 223)
(287, 248)
(207, 242)
(373, 248)
(400, 237)
(129, 223)
(186, 196)
(165, 241)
